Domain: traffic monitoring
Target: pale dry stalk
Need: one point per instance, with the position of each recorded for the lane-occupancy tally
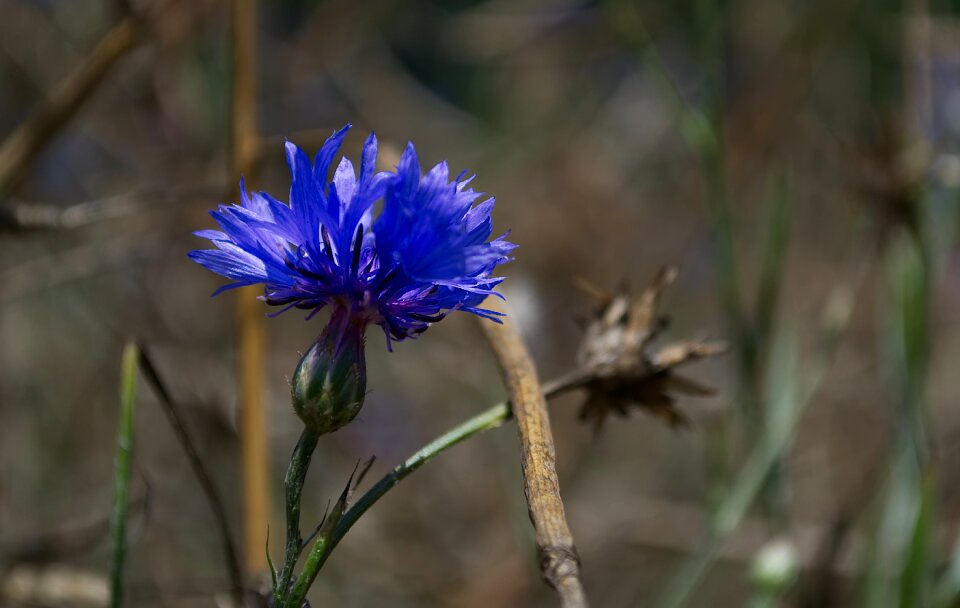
(559, 561)
(249, 317)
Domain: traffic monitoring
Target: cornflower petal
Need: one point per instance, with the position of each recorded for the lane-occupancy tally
(425, 255)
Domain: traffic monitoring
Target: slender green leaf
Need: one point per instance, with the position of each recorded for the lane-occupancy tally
(774, 257)
(947, 590)
(122, 470)
(789, 398)
(916, 579)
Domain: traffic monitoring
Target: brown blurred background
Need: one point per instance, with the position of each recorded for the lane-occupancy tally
(582, 119)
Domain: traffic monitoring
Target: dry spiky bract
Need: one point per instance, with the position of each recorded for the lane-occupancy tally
(624, 369)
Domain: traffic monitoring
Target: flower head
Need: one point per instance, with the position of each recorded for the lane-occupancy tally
(426, 254)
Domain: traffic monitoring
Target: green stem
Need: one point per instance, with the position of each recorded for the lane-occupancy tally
(489, 419)
(328, 539)
(122, 469)
(338, 524)
(293, 483)
(318, 555)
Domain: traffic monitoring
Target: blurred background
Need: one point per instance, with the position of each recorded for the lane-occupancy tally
(798, 160)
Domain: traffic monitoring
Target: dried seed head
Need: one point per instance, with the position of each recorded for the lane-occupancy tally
(623, 368)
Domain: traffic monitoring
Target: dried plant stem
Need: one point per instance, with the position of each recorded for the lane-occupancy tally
(559, 562)
(248, 315)
(172, 410)
(253, 439)
(24, 143)
(243, 113)
(123, 467)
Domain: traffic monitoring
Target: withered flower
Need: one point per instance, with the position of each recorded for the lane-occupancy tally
(621, 367)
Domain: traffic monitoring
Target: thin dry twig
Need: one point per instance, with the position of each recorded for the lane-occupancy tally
(74, 263)
(56, 545)
(52, 546)
(23, 144)
(172, 410)
(23, 217)
(559, 561)
(30, 217)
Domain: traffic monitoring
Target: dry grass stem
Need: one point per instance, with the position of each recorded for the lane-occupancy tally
(249, 317)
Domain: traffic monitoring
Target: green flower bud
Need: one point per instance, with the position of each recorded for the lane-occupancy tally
(330, 383)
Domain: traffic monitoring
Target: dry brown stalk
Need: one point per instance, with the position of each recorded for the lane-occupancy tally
(249, 317)
(23, 144)
(559, 561)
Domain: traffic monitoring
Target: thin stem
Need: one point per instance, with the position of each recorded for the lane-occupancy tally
(486, 420)
(293, 483)
(318, 555)
(792, 400)
(334, 531)
(200, 471)
(328, 538)
(122, 468)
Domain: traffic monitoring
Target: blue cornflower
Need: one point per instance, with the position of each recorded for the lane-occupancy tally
(426, 254)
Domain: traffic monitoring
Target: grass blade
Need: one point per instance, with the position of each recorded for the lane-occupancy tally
(122, 469)
(791, 391)
(947, 590)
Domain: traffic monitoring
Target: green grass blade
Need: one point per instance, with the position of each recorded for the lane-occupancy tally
(915, 581)
(790, 393)
(947, 590)
(122, 470)
(747, 484)
(774, 258)
(889, 548)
